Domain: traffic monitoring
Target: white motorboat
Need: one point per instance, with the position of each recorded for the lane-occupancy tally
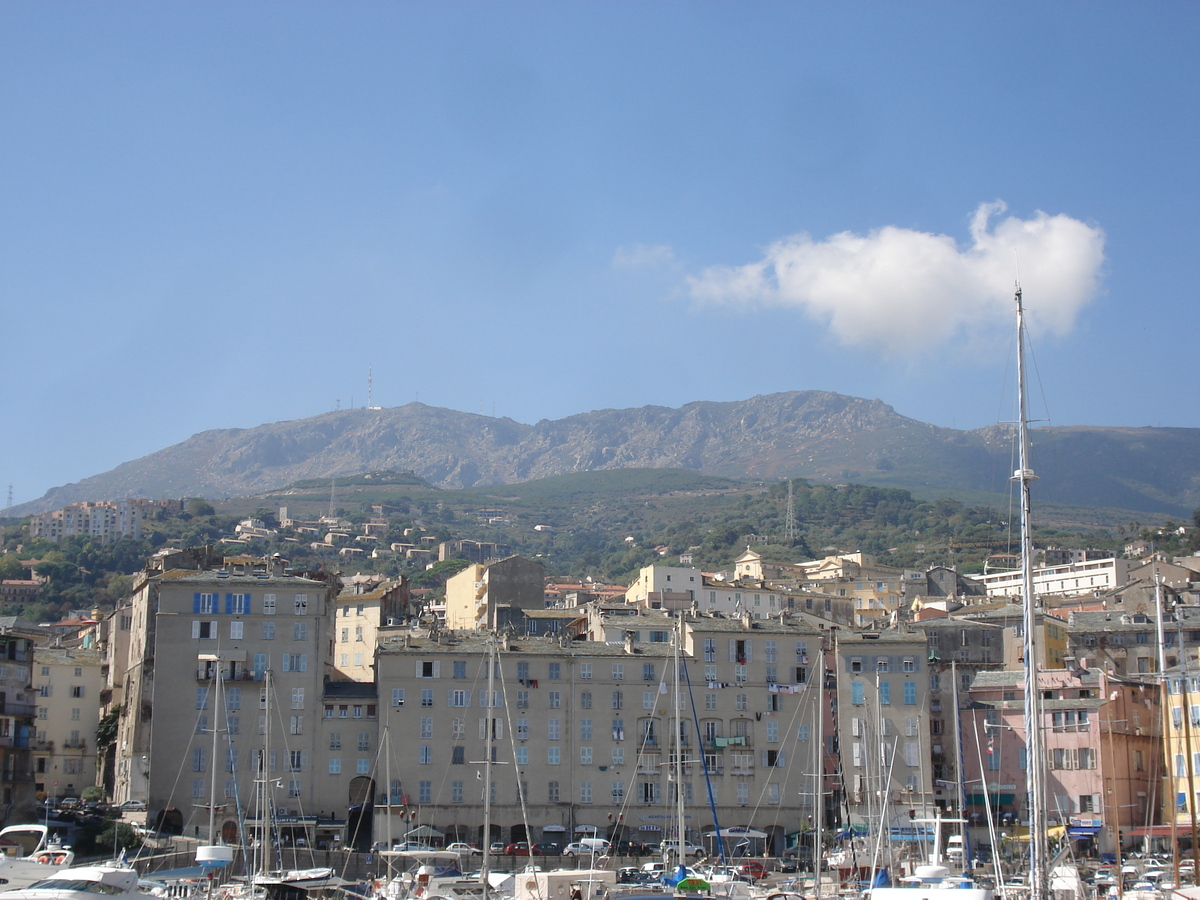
(115, 881)
(41, 856)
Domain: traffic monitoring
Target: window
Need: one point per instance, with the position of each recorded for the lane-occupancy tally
(358, 634)
(76, 690)
(201, 698)
(553, 729)
(710, 701)
(295, 662)
(522, 756)
(618, 791)
(910, 693)
(856, 664)
(199, 759)
(522, 699)
(426, 728)
(458, 755)
(552, 791)
(522, 729)
(585, 729)
(770, 651)
(553, 756)
(427, 697)
(554, 698)
(647, 699)
(205, 631)
(268, 604)
(460, 668)
(300, 604)
(456, 792)
(236, 630)
(204, 604)
(459, 698)
(772, 732)
(618, 756)
(585, 756)
(618, 671)
(335, 740)
(299, 631)
(618, 729)
(739, 701)
(885, 693)
(555, 673)
(585, 699)
(617, 700)
(397, 696)
(857, 695)
(296, 725)
(425, 792)
(585, 671)
(425, 755)
(585, 792)
(647, 671)
(268, 631)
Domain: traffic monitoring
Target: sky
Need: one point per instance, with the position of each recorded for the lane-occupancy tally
(223, 214)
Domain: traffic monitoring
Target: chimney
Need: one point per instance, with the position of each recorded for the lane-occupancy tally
(629, 642)
(747, 620)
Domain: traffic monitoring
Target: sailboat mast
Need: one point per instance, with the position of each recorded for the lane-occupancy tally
(1034, 744)
(487, 767)
(819, 799)
(679, 820)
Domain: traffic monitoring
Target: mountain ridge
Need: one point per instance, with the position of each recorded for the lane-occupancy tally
(820, 435)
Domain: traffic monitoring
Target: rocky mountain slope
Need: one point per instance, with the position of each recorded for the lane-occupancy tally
(813, 434)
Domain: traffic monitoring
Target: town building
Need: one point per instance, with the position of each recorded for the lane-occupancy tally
(1072, 579)
(18, 639)
(884, 748)
(584, 732)
(263, 635)
(68, 682)
(476, 594)
(358, 611)
(1103, 742)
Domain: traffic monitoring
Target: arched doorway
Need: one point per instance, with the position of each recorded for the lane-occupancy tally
(229, 832)
(360, 813)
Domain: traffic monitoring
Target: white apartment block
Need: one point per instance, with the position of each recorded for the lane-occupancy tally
(105, 521)
(1069, 580)
(68, 683)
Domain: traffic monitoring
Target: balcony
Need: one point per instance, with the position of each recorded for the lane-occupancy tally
(79, 744)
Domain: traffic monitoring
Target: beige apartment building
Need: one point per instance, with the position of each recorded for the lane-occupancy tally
(262, 634)
(477, 594)
(585, 733)
(358, 611)
(17, 710)
(68, 683)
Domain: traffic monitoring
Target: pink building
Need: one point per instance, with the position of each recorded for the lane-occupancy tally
(1103, 736)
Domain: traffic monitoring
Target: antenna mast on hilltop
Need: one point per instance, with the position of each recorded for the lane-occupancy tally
(332, 485)
(789, 532)
(370, 379)
(9, 504)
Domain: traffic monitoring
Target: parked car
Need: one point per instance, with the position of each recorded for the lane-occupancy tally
(411, 845)
(628, 848)
(546, 848)
(134, 806)
(672, 847)
(459, 847)
(520, 848)
(752, 869)
(587, 847)
(496, 847)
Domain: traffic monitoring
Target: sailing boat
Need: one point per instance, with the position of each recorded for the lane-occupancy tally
(936, 875)
(215, 854)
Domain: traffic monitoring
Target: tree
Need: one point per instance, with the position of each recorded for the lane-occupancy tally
(197, 506)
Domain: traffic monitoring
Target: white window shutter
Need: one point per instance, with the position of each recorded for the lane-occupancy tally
(483, 729)
(732, 650)
(303, 760)
(195, 630)
(748, 651)
(437, 668)
(499, 729)
(418, 675)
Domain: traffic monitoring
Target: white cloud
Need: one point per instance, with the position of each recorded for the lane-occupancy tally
(903, 289)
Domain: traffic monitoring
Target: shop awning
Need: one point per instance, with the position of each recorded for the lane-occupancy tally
(1083, 831)
(997, 799)
(1158, 831)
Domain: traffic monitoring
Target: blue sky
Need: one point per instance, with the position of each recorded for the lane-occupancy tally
(220, 214)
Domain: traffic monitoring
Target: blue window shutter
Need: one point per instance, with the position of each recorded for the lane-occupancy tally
(228, 604)
(248, 610)
(196, 603)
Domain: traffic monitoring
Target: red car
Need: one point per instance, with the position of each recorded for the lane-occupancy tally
(753, 869)
(518, 849)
